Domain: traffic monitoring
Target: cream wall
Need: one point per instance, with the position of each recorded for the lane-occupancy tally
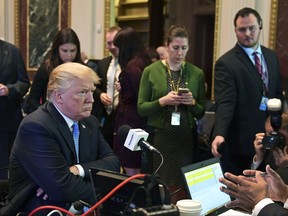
(87, 19)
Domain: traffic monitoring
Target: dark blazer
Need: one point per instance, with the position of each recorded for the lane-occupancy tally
(238, 92)
(273, 209)
(98, 107)
(43, 152)
(12, 74)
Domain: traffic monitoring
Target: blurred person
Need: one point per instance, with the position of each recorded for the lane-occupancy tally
(65, 48)
(45, 166)
(257, 194)
(14, 84)
(133, 58)
(153, 54)
(276, 157)
(245, 78)
(162, 52)
(106, 94)
(88, 62)
(171, 116)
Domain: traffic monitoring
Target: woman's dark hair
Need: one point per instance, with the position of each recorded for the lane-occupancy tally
(130, 45)
(63, 36)
(176, 31)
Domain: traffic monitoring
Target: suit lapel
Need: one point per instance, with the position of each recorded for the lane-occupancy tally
(63, 128)
(84, 138)
(252, 71)
(270, 70)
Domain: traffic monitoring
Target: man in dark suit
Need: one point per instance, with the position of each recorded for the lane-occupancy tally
(14, 84)
(44, 155)
(257, 192)
(106, 95)
(241, 92)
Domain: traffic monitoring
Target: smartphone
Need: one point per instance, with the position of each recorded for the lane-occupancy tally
(183, 90)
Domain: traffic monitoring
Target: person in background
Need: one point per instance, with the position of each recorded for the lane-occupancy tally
(153, 54)
(65, 48)
(171, 113)
(241, 91)
(133, 58)
(106, 95)
(162, 52)
(14, 84)
(93, 65)
(256, 194)
(46, 166)
(276, 157)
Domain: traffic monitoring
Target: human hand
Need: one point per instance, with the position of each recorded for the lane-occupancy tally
(187, 99)
(278, 190)
(105, 99)
(74, 170)
(218, 140)
(4, 91)
(40, 192)
(172, 99)
(259, 148)
(280, 156)
(117, 86)
(246, 190)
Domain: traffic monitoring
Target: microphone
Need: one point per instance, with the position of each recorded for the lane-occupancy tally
(76, 207)
(134, 139)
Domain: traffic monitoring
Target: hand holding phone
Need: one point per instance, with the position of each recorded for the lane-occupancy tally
(183, 90)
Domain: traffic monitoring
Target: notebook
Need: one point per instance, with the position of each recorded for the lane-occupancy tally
(202, 182)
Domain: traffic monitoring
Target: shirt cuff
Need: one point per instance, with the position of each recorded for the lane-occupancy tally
(260, 205)
(286, 204)
(81, 170)
(255, 164)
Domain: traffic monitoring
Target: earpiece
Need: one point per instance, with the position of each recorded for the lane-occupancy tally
(260, 24)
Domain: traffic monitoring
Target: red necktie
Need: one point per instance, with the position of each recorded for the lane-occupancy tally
(258, 64)
(259, 68)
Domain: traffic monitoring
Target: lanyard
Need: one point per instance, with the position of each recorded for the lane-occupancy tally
(172, 84)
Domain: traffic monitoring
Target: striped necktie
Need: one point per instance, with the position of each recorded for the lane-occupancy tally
(258, 64)
(259, 68)
(75, 131)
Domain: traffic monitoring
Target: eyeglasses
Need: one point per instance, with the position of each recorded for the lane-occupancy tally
(252, 29)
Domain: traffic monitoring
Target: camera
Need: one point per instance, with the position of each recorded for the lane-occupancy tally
(275, 138)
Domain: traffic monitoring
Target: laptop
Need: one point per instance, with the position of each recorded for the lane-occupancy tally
(202, 183)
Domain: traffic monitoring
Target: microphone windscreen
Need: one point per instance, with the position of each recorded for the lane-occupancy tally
(122, 133)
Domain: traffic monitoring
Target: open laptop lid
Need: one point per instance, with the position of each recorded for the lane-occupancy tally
(202, 184)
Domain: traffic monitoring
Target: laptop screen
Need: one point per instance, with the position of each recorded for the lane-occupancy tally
(203, 185)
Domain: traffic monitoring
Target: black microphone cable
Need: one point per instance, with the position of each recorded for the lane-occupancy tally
(161, 163)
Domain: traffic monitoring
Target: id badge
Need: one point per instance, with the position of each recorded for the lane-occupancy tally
(175, 118)
(263, 103)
